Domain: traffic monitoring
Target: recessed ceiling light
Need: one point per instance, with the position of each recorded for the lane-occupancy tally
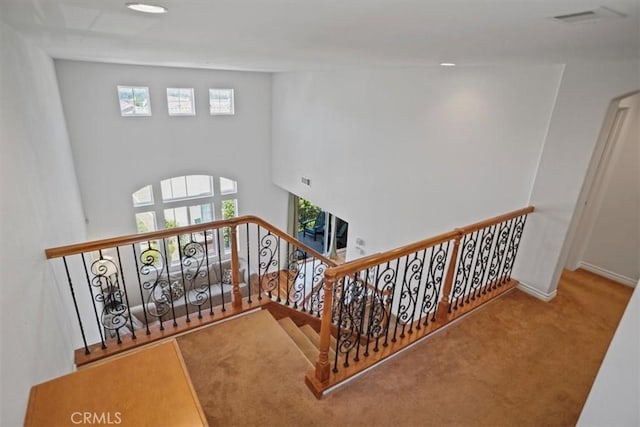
(447, 64)
(147, 8)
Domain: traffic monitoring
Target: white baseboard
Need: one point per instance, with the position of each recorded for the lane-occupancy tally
(535, 292)
(608, 274)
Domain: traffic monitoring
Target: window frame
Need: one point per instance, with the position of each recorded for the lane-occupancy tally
(186, 186)
(141, 204)
(216, 200)
(132, 88)
(193, 102)
(232, 111)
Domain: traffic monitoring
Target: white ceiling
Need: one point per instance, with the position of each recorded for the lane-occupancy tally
(280, 35)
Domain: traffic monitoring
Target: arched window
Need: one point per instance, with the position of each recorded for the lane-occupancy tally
(185, 200)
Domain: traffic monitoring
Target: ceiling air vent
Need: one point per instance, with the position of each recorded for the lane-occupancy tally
(600, 14)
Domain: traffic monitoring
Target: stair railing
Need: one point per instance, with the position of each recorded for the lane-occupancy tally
(131, 290)
(378, 305)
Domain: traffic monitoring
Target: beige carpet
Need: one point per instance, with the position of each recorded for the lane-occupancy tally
(516, 362)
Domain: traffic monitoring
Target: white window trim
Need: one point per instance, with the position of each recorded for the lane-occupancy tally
(134, 87)
(233, 102)
(160, 205)
(193, 102)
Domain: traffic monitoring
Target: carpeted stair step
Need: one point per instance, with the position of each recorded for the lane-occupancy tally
(304, 344)
(315, 340)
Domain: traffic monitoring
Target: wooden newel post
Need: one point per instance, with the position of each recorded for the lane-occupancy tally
(235, 268)
(443, 307)
(322, 366)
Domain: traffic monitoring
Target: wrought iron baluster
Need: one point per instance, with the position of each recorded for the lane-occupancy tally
(317, 297)
(464, 266)
(220, 269)
(407, 292)
(498, 254)
(458, 285)
(419, 285)
(144, 304)
(296, 276)
(413, 270)
(306, 297)
(150, 257)
(185, 289)
(126, 294)
(372, 311)
(339, 283)
(492, 238)
(474, 274)
(393, 294)
(195, 279)
(400, 303)
(480, 267)
(440, 259)
(360, 293)
(505, 254)
(75, 305)
(209, 284)
(378, 310)
(168, 262)
(279, 299)
(93, 301)
(259, 265)
(515, 245)
(473, 260)
(427, 294)
(349, 326)
(250, 292)
(268, 253)
(105, 278)
(289, 284)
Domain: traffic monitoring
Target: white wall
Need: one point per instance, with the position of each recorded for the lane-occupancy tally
(585, 93)
(115, 155)
(404, 154)
(40, 208)
(613, 243)
(613, 399)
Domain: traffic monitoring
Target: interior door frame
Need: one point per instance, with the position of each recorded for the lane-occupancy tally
(598, 172)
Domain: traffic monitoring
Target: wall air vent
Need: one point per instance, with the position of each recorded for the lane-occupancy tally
(600, 14)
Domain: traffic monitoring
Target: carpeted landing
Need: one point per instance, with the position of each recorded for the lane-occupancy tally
(517, 362)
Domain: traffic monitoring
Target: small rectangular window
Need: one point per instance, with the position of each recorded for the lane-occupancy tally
(221, 102)
(228, 186)
(186, 187)
(229, 210)
(176, 217)
(134, 101)
(146, 221)
(143, 197)
(180, 102)
(188, 215)
(200, 214)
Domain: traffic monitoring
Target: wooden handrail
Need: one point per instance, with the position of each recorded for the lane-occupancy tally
(112, 242)
(379, 258)
(496, 220)
(322, 377)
